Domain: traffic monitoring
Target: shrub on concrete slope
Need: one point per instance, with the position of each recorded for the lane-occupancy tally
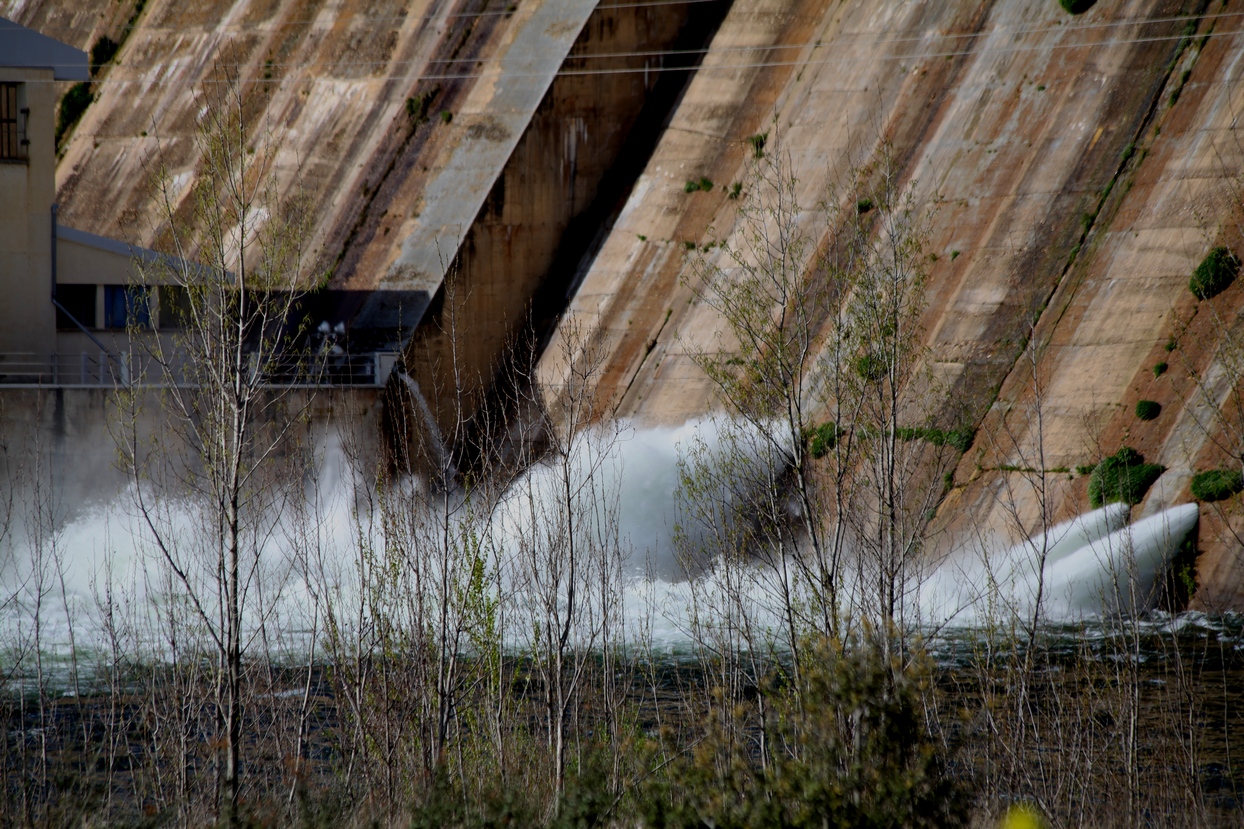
(823, 439)
(72, 105)
(960, 438)
(1216, 484)
(1076, 6)
(1216, 271)
(104, 50)
(1148, 409)
(1123, 477)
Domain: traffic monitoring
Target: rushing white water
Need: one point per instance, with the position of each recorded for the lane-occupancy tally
(1093, 565)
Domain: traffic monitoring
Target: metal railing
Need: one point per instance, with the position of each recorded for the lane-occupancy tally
(104, 369)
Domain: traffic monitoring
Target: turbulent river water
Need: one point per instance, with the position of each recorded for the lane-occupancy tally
(1095, 566)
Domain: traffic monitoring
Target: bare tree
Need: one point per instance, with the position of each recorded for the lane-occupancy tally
(821, 366)
(562, 526)
(212, 475)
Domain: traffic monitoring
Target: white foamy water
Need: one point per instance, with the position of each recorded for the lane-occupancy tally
(1094, 565)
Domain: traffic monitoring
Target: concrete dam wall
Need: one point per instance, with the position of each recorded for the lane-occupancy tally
(1077, 169)
(1080, 168)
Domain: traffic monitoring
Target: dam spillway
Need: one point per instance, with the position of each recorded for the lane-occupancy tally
(661, 372)
(1077, 164)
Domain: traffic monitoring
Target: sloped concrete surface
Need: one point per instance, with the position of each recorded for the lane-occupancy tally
(484, 133)
(1076, 168)
(326, 86)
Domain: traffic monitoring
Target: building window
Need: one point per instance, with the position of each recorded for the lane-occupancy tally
(126, 306)
(77, 302)
(12, 130)
(174, 307)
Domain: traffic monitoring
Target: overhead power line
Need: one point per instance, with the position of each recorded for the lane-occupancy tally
(395, 18)
(728, 66)
(852, 42)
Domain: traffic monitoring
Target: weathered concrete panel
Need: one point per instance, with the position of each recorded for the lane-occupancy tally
(1014, 118)
(483, 135)
(516, 259)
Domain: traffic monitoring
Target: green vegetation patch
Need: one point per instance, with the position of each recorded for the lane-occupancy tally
(418, 107)
(104, 50)
(863, 205)
(822, 440)
(72, 106)
(1215, 273)
(1216, 484)
(1181, 579)
(1160, 369)
(1124, 477)
(705, 184)
(960, 438)
(757, 143)
(871, 367)
(858, 755)
(1076, 6)
(1148, 409)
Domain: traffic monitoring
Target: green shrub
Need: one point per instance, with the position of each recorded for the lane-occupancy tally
(1180, 579)
(1123, 477)
(822, 440)
(1216, 271)
(870, 367)
(104, 50)
(960, 438)
(72, 105)
(705, 184)
(1216, 484)
(758, 143)
(1148, 409)
(1085, 468)
(1076, 6)
(446, 116)
(1159, 369)
(863, 205)
(851, 749)
(417, 108)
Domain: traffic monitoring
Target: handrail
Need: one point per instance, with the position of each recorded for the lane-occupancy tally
(105, 369)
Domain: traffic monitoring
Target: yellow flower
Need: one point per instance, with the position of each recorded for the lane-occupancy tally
(1022, 816)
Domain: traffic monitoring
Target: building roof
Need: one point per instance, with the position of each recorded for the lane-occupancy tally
(26, 48)
(141, 255)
